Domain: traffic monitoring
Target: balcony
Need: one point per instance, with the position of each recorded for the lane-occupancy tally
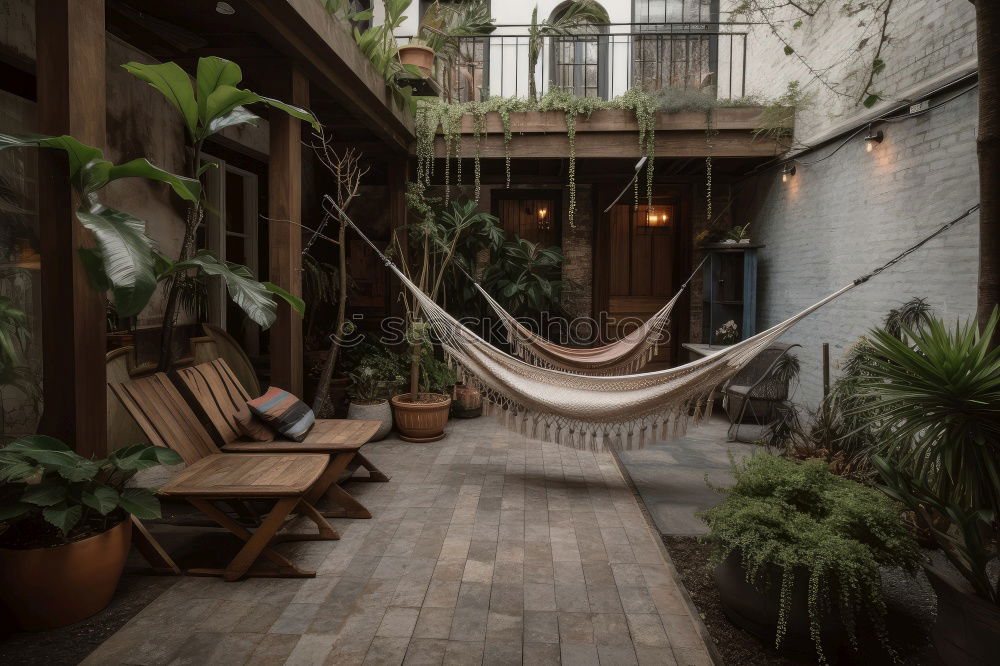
(604, 62)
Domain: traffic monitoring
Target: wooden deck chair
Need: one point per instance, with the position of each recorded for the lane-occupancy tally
(237, 359)
(217, 389)
(292, 481)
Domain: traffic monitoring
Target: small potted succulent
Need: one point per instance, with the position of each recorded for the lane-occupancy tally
(64, 526)
(371, 384)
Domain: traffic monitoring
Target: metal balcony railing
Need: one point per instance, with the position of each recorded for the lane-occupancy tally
(603, 62)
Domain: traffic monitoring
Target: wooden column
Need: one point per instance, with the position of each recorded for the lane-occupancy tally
(71, 100)
(284, 234)
(397, 172)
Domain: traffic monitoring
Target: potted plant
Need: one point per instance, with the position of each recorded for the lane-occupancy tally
(440, 31)
(728, 333)
(372, 382)
(798, 552)
(468, 403)
(422, 413)
(435, 236)
(934, 393)
(65, 528)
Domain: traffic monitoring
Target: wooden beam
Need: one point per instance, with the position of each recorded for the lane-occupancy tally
(285, 234)
(617, 120)
(70, 35)
(323, 47)
(611, 145)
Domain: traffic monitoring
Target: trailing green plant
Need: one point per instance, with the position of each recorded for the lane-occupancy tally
(797, 518)
(777, 117)
(211, 103)
(51, 495)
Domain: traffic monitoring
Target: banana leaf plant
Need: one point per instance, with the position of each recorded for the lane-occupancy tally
(575, 18)
(208, 105)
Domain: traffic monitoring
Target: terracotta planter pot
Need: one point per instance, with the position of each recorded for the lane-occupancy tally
(468, 402)
(423, 419)
(967, 629)
(378, 411)
(757, 612)
(421, 57)
(45, 588)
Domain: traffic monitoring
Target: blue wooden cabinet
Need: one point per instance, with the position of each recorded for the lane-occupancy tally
(729, 288)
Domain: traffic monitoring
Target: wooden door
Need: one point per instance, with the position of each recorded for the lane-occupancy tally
(530, 214)
(639, 263)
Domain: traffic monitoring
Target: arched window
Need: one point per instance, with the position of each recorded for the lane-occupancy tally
(579, 60)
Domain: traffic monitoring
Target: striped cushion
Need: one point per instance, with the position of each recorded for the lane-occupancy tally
(252, 427)
(291, 417)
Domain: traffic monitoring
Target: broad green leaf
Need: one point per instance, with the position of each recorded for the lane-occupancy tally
(188, 189)
(143, 456)
(212, 73)
(238, 116)
(13, 510)
(223, 100)
(249, 294)
(64, 517)
(206, 166)
(93, 266)
(127, 252)
(140, 502)
(17, 468)
(297, 303)
(174, 84)
(44, 494)
(104, 499)
(294, 111)
(78, 154)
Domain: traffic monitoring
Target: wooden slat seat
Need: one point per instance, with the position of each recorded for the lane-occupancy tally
(215, 390)
(293, 481)
(250, 476)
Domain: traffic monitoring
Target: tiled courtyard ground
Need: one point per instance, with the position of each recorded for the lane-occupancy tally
(485, 547)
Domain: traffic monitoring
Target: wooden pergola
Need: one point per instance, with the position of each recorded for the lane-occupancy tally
(293, 50)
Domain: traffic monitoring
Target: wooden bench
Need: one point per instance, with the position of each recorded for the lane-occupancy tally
(214, 390)
(293, 482)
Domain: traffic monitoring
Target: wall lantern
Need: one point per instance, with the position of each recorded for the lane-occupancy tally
(872, 139)
(787, 172)
(657, 216)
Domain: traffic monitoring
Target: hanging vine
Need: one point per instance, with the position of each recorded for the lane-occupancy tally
(710, 132)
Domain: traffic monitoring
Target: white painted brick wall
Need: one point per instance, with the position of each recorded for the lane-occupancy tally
(838, 219)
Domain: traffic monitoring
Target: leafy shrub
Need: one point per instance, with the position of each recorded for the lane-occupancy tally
(799, 517)
(51, 495)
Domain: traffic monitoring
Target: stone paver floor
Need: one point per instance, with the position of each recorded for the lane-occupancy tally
(485, 547)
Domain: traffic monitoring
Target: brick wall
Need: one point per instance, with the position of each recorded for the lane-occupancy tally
(838, 219)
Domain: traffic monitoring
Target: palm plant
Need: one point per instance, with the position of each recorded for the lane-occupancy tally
(936, 405)
(577, 15)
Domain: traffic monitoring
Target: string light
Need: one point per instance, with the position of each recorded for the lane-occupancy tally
(787, 172)
(872, 139)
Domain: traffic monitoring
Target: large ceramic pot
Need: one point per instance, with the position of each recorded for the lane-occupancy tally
(421, 417)
(44, 588)
(967, 629)
(418, 55)
(757, 612)
(372, 411)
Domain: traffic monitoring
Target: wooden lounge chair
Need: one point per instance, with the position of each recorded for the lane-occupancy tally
(220, 396)
(292, 481)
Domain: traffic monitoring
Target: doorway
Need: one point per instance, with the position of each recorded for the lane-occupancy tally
(639, 262)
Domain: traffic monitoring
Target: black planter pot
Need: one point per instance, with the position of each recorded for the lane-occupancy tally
(757, 612)
(967, 629)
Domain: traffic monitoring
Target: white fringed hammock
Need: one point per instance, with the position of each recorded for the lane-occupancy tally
(622, 357)
(591, 412)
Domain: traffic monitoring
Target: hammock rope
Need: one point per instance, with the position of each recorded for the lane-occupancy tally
(592, 412)
(622, 357)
